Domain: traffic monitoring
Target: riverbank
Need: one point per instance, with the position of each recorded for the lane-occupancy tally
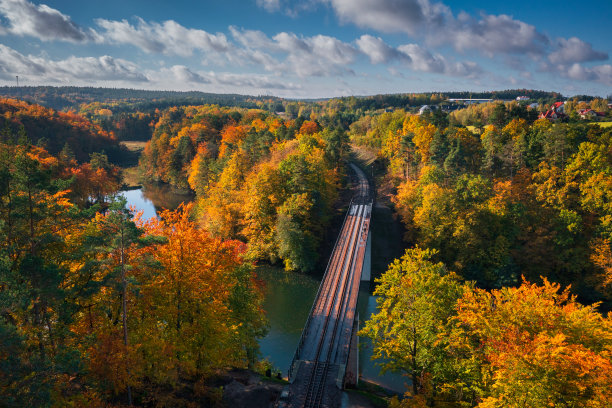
(237, 387)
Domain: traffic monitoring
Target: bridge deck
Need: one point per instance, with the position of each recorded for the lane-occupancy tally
(321, 357)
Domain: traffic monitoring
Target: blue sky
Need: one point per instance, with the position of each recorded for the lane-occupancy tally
(309, 48)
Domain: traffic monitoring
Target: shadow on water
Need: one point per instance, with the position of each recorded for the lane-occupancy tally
(368, 369)
(164, 196)
(288, 299)
(153, 198)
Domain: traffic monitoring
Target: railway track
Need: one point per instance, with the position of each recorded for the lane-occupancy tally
(337, 305)
(324, 344)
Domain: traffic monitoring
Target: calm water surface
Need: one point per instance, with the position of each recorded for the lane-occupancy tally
(153, 198)
(288, 298)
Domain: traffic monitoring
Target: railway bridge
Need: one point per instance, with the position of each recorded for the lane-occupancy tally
(326, 358)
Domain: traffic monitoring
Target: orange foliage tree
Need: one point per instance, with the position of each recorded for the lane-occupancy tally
(533, 346)
(201, 309)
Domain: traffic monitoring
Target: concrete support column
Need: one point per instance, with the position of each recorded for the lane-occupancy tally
(351, 376)
(366, 271)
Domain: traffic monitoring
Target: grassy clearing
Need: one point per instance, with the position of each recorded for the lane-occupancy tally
(131, 177)
(134, 146)
(604, 124)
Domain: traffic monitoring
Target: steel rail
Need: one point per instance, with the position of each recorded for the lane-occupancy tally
(298, 350)
(319, 372)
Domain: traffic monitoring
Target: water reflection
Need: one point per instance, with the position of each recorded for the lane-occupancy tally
(288, 299)
(164, 196)
(153, 198)
(136, 199)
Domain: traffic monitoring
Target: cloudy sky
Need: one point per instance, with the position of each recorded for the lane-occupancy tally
(309, 48)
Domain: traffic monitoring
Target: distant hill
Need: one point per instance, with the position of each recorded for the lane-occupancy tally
(407, 100)
(508, 94)
(70, 97)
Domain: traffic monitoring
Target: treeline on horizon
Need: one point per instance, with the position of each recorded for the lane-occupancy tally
(68, 97)
(71, 97)
(130, 113)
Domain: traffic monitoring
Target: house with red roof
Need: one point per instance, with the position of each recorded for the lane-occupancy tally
(556, 111)
(590, 114)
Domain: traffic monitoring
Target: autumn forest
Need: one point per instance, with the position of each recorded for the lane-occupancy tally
(501, 299)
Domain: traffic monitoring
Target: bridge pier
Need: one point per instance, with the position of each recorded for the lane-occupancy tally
(351, 376)
(366, 272)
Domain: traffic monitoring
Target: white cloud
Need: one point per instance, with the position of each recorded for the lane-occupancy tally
(377, 50)
(42, 22)
(423, 60)
(288, 7)
(180, 74)
(579, 72)
(316, 56)
(252, 81)
(99, 68)
(599, 73)
(104, 68)
(245, 57)
(251, 38)
(332, 49)
(168, 38)
(575, 50)
(319, 55)
(324, 56)
(184, 74)
(438, 25)
(407, 16)
(494, 34)
(270, 5)
(14, 63)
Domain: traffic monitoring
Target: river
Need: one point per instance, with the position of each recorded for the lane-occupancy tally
(288, 298)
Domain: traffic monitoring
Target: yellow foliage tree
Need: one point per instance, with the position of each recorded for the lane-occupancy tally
(535, 346)
(423, 135)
